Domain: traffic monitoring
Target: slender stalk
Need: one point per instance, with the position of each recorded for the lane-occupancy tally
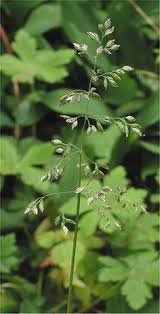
(69, 302)
(8, 47)
(70, 292)
(145, 16)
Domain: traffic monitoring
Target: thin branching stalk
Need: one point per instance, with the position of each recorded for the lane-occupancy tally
(68, 150)
(70, 292)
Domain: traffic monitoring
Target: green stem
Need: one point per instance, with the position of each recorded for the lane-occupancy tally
(70, 293)
(40, 283)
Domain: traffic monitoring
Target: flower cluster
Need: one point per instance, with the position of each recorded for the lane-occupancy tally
(35, 206)
(62, 220)
(111, 77)
(79, 95)
(91, 124)
(104, 47)
(125, 124)
(82, 49)
(52, 175)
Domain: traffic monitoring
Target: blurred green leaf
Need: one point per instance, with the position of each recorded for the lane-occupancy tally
(117, 177)
(43, 18)
(5, 120)
(118, 302)
(10, 220)
(24, 46)
(151, 83)
(61, 254)
(46, 65)
(26, 143)
(8, 302)
(155, 198)
(148, 114)
(19, 9)
(151, 146)
(126, 92)
(37, 155)
(8, 156)
(1, 182)
(88, 223)
(9, 255)
(137, 293)
(130, 107)
(28, 113)
(135, 272)
(32, 307)
(150, 165)
(46, 239)
(103, 146)
(69, 207)
(113, 270)
(32, 176)
(125, 19)
(141, 235)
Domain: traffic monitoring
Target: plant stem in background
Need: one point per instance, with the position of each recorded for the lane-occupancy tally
(145, 16)
(33, 127)
(69, 302)
(8, 47)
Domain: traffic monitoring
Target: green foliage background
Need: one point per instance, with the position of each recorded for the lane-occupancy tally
(116, 270)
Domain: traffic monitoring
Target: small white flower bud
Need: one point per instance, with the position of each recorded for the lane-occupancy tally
(99, 50)
(77, 46)
(65, 230)
(101, 27)
(81, 48)
(74, 125)
(71, 120)
(143, 209)
(107, 207)
(90, 200)
(107, 23)
(64, 117)
(127, 68)
(130, 119)
(34, 210)
(137, 131)
(115, 47)
(93, 36)
(41, 206)
(99, 127)
(112, 82)
(84, 48)
(117, 224)
(57, 220)
(79, 190)
(110, 43)
(109, 31)
(107, 51)
(27, 210)
(120, 71)
(59, 150)
(94, 129)
(44, 178)
(87, 170)
(89, 130)
(107, 189)
(56, 141)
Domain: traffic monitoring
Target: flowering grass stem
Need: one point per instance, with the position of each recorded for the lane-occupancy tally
(70, 292)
